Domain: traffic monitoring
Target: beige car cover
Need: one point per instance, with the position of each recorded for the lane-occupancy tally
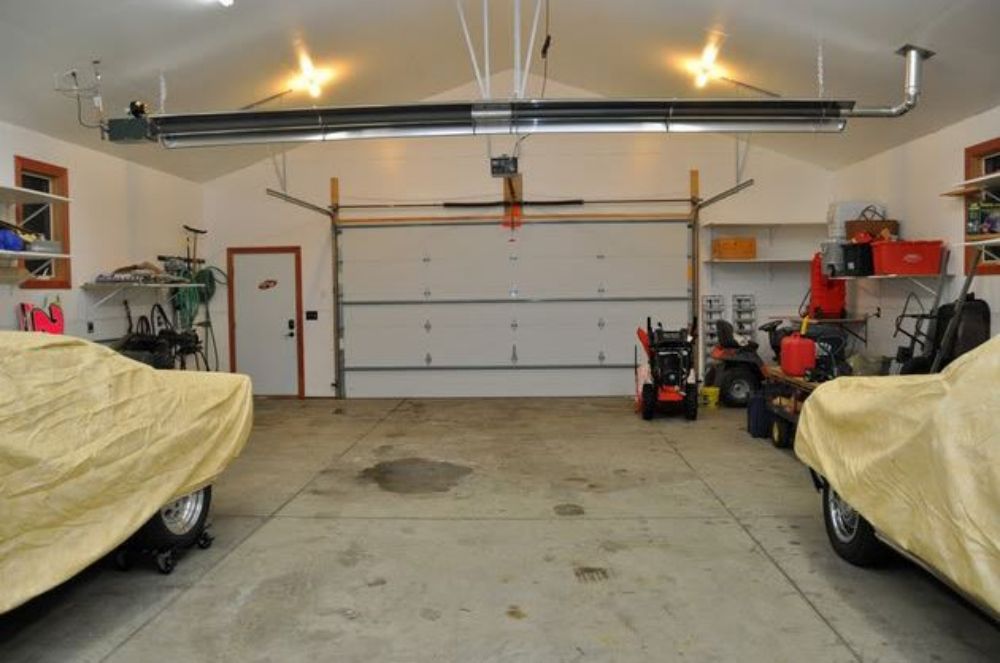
(919, 457)
(92, 444)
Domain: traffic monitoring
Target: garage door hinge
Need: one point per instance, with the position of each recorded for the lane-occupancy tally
(513, 324)
(427, 293)
(601, 289)
(601, 356)
(427, 259)
(601, 256)
(428, 359)
(427, 326)
(513, 354)
(601, 323)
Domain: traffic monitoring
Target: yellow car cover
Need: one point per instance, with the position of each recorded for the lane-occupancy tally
(92, 444)
(919, 457)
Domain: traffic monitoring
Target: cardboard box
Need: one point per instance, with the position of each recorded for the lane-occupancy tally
(734, 248)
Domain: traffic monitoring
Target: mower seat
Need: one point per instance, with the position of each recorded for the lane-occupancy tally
(727, 337)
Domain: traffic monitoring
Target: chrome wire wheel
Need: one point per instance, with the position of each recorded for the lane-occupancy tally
(843, 518)
(181, 516)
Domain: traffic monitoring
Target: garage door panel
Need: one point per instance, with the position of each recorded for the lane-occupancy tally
(585, 262)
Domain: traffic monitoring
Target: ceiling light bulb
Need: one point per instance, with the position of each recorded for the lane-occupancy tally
(701, 80)
(226, 3)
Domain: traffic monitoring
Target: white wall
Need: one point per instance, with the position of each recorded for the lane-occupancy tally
(121, 213)
(910, 179)
(238, 212)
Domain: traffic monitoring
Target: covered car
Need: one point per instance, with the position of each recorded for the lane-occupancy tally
(913, 462)
(93, 445)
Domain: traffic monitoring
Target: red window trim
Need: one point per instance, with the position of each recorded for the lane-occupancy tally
(61, 274)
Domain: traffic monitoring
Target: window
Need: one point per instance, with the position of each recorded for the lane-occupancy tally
(49, 221)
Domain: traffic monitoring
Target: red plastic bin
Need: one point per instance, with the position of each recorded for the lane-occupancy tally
(912, 257)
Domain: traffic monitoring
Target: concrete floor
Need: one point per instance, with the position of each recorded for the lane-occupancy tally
(555, 530)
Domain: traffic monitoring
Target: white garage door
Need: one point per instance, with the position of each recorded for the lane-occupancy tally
(476, 310)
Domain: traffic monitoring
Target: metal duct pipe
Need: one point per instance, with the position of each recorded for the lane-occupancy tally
(915, 57)
(522, 117)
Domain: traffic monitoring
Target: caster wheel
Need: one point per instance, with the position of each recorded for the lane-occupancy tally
(205, 540)
(165, 562)
(123, 561)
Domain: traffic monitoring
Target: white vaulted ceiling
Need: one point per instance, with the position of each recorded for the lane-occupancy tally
(391, 51)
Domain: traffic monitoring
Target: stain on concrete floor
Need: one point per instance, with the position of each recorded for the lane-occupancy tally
(590, 573)
(415, 475)
(568, 510)
(515, 612)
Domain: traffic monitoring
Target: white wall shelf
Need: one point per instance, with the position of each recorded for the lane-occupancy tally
(753, 224)
(112, 288)
(34, 255)
(759, 261)
(15, 195)
(984, 183)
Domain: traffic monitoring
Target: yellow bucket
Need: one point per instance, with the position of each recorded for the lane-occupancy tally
(710, 396)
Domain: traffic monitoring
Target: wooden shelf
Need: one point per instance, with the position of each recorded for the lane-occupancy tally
(33, 255)
(12, 195)
(975, 185)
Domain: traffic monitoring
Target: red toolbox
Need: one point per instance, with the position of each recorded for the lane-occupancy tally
(911, 257)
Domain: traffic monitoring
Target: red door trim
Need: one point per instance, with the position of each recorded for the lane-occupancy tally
(231, 252)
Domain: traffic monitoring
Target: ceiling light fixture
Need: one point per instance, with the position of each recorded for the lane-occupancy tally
(310, 78)
(706, 68)
(226, 3)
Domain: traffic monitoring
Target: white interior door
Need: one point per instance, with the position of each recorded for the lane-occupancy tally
(265, 317)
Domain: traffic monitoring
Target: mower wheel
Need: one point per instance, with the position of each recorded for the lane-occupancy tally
(691, 403)
(851, 536)
(648, 401)
(782, 433)
(737, 385)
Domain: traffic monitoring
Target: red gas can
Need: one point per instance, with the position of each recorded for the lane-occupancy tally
(798, 355)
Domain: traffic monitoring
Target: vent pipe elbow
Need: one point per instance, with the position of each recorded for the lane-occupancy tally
(912, 86)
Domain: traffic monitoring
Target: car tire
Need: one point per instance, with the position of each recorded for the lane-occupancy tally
(648, 401)
(852, 537)
(737, 385)
(178, 524)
